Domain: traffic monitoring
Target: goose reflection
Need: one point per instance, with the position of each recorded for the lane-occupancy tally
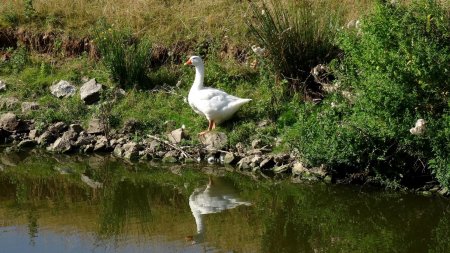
(215, 198)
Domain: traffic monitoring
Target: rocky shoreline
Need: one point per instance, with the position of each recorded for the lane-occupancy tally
(253, 160)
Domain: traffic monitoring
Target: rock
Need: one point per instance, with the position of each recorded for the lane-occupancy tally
(267, 163)
(298, 168)
(130, 126)
(118, 151)
(214, 140)
(84, 139)
(319, 171)
(244, 163)
(33, 134)
(171, 157)
(2, 86)
(176, 135)
(131, 155)
(281, 169)
(27, 144)
(87, 148)
(63, 89)
(131, 151)
(229, 158)
(425, 193)
(8, 103)
(9, 122)
(154, 146)
(57, 128)
(95, 127)
(257, 143)
(443, 191)
(240, 148)
(101, 144)
(29, 106)
(61, 145)
(76, 128)
(90, 92)
(46, 138)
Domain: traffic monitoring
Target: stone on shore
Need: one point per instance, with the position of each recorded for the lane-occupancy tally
(9, 122)
(26, 143)
(63, 89)
(176, 136)
(214, 140)
(90, 92)
(95, 127)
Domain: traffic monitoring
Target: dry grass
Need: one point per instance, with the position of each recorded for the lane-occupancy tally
(164, 20)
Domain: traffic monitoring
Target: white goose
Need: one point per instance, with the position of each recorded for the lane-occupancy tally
(216, 105)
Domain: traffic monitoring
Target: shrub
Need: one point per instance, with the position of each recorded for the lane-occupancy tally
(297, 36)
(396, 68)
(127, 58)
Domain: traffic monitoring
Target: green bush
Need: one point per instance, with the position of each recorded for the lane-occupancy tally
(127, 58)
(396, 68)
(297, 36)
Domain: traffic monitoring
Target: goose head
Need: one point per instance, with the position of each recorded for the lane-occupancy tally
(195, 61)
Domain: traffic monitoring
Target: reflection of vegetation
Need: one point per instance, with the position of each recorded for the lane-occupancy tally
(143, 202)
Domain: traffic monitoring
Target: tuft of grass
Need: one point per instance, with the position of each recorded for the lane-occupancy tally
(297, 36)
(127, 58)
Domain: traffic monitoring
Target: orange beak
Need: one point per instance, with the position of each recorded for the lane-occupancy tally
(189, 62)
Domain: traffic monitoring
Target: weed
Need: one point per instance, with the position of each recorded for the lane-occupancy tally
(127, 58)
(297, 36)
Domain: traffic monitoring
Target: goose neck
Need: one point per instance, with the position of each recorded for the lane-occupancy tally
(199, 76)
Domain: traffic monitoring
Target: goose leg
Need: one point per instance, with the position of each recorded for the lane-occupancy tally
(210, 126)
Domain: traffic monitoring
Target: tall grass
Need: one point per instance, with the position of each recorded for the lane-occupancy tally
(297, 36)
(127, 58)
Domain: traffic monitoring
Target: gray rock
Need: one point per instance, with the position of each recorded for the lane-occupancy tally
(154, 146)
(131, 155)
(27, 144)
(33, 134)
(9, 122)
(84, 139)
(76, 128)
(244, 163)
(298, 168)
(61, 145)
(281, 169)
(176, 136)
(101, 144)
(95, 127)
(46, 138)
(118, 151)
(171, 157)
(63, 89)
(131, 146)
(266, 163)
(87, 148)
(2, 86)
(257, 143)
(57, 128)
(29, 106)
(90, 92)
(214, 140)
(319, 171)
(229, 158)
(328, 179)
(444, 191)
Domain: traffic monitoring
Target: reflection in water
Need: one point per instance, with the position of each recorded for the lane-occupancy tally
(141, 208)
(215, 198)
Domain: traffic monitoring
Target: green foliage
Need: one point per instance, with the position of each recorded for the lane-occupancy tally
(396, 70)
(297, 36)
(19, 60)
(127, 58)
(29, 11)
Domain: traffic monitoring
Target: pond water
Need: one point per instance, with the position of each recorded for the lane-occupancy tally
(58, 203)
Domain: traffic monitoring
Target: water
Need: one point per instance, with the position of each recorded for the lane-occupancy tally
(57, 203)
